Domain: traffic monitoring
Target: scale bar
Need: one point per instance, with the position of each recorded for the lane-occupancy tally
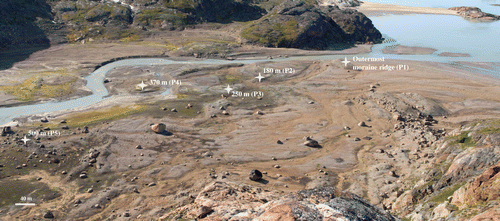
(25, 204)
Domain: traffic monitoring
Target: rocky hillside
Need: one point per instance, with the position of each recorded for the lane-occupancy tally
(460, 180)
(344, 3)
(223, 201)
(18, 26)
(305, 24)
(288, 23)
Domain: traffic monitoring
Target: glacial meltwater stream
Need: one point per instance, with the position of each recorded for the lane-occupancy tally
(445, 33)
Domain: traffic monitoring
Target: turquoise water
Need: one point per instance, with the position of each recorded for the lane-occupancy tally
(484, 5)
(445, 33)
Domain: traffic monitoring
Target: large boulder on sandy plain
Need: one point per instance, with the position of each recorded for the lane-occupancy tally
(158, 128)
(255, 175)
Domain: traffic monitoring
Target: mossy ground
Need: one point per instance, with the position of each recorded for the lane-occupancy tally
(108, 114)
(444, 194)
(463, 140)
(34, 87)
(12, 190)
(277, 35)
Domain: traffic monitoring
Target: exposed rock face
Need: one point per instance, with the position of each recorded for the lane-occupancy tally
(302, 24)
(18, 24)
(6, 130)
(224, 201)
(41, 22)
(475, 13)
(356, 25)
(224, 10)
(484, 188)
(344, 3)
(464, 173)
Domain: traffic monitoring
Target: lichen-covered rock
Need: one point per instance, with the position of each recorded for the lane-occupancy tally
(475, 13)
(223, 201)
(484, 188)
(356, 25)
(304, 24)
(344, 3)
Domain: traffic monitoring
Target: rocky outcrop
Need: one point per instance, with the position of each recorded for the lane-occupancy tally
(475, 13)
(463, 175)
(484, 188)
(304, 24)
(224, 201)
(158, 128)
(356, 25)
(18, 24)
(344, 3)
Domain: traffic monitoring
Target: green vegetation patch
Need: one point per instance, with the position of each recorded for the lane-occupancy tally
(12, 191)
(444, 194)
(158, 16)
(231, 79)
(86, 13)
(181, 4)
(490, 130)
(108, 114)
(463, 140)
(34, 87)
(276, 35)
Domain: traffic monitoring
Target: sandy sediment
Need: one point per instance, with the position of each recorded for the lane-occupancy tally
(450, 54)
(371, 8)
(406, 50)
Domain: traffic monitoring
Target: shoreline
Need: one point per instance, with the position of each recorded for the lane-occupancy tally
(375, 9)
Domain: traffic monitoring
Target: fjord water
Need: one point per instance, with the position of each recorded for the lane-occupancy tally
(484, 5)
(445, 33)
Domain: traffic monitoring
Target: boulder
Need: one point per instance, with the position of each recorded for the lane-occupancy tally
(158, 128)
(311, 143)
(203, 211)
(48, 215)
(347, 102)
(255, 175)
(397, 117)
(6, 130)
(258, 113)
